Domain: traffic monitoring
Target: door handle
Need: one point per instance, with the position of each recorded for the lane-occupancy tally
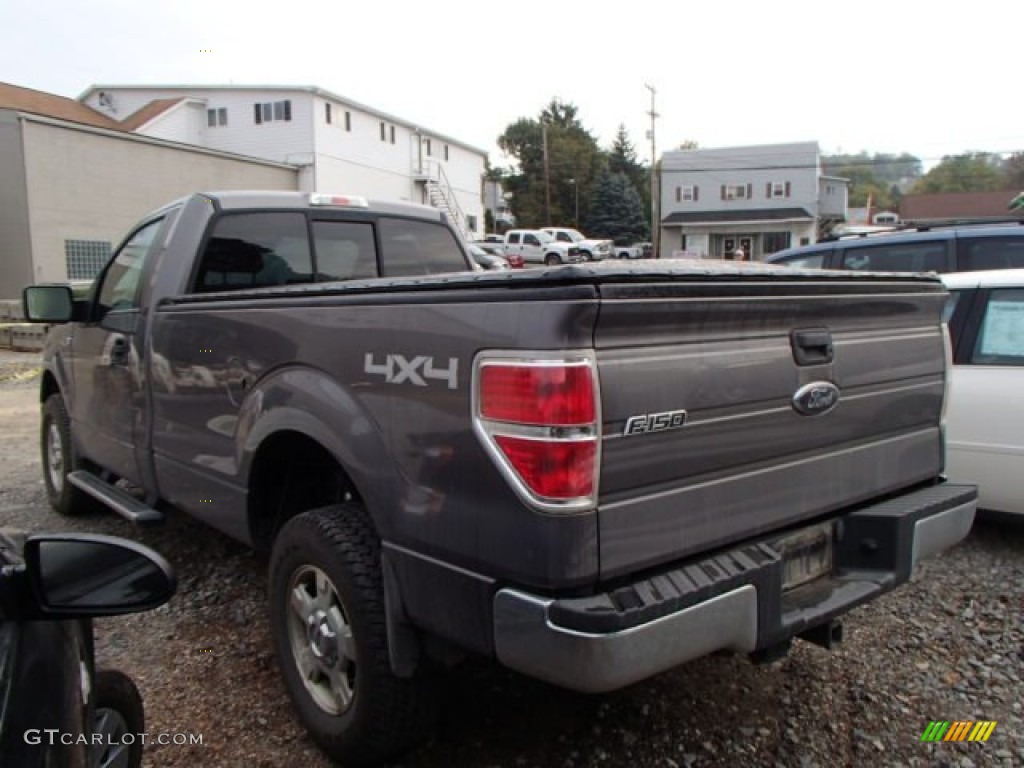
(812, 346)
(119, 349)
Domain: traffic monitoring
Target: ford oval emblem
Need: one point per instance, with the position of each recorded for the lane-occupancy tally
(816, 398)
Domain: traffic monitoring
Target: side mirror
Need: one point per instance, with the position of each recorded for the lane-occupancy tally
(48, 303)
(94, 575)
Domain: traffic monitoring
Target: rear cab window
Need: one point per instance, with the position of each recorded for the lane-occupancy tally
(247, 250)
(411, 248)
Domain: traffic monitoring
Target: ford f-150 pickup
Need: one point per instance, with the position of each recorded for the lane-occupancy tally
(590, 473)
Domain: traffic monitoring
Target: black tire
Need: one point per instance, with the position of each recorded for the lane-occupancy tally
(59, 460)
(327, 562)
(119, 711)
(552, 260)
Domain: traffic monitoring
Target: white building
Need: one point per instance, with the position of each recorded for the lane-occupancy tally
(341, 146)
(760, 199)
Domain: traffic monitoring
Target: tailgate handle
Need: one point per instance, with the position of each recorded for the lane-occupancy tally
(812, 346)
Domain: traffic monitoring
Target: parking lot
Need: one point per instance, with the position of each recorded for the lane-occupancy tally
(948, 646)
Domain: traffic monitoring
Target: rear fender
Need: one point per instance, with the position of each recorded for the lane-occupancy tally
(309, 402)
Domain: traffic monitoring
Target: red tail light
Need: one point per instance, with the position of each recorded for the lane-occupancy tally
(549, 395)
(539, 419)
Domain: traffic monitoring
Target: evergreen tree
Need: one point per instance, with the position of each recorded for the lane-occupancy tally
(616, 211)
(622, 159)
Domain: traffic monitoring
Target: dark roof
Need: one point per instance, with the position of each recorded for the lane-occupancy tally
(50, 105)
(144, 114)
(956, 205)
(741, 214)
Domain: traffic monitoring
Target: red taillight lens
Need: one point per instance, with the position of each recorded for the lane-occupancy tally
(544, 395)
(554, 470)
(540, 420)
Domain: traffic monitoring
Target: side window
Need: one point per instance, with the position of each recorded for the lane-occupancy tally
(976, 253)
(563, 237)
(120, 288)
(1001, 335)
(410, 248)
(253, 250)
(344, 250)
(810, 261)
(927, 256)
(513, 239)
(530, 240)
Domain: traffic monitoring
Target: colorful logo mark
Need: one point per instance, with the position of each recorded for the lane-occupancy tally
(961, 730)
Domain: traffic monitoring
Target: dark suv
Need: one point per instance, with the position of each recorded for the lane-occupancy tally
(956, 248)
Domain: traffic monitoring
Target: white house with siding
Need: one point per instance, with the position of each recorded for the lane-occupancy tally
(759, 198)
(340, 145)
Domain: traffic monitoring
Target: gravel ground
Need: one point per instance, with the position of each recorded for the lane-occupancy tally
(947, 646)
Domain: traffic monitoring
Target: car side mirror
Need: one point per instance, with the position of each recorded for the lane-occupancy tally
(48, 303)
(94, 575)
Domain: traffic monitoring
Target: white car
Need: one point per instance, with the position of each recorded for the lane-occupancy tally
(985, 413)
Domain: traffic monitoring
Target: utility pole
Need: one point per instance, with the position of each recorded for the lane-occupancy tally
(655, 224)
(547, 172)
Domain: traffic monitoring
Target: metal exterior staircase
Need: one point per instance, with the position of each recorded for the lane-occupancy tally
(441, 195)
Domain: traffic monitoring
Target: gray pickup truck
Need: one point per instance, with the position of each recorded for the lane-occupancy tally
(590, 473)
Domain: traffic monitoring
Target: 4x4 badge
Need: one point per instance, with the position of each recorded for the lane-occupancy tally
(816, 398)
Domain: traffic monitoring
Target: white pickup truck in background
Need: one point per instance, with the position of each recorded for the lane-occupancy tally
(592, 249)
(634, 251)
(536, 246)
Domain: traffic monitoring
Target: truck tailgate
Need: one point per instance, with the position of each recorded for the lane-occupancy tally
(746, 457)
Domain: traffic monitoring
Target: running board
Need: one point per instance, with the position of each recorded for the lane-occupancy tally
(118, 500)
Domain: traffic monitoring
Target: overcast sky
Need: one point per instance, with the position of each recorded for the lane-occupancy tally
(877, 76)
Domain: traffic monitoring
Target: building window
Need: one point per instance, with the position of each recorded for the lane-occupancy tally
(780, 189)
(215, 117)
(327, 113)
(272, 111)
(446, 152)
(383, 132)
(735, 191)
(686, 194)
(772, 242)
(392, 134)
(471, 222)
(85, 258)
(348, 121)
(429, 149)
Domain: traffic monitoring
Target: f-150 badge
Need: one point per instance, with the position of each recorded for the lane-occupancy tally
(646, 423)
(816, 398)
(398, 369)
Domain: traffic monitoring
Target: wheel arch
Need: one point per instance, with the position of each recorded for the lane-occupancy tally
(304, 442)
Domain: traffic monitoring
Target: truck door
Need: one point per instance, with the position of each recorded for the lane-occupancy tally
(108, 360)
(533, 248)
